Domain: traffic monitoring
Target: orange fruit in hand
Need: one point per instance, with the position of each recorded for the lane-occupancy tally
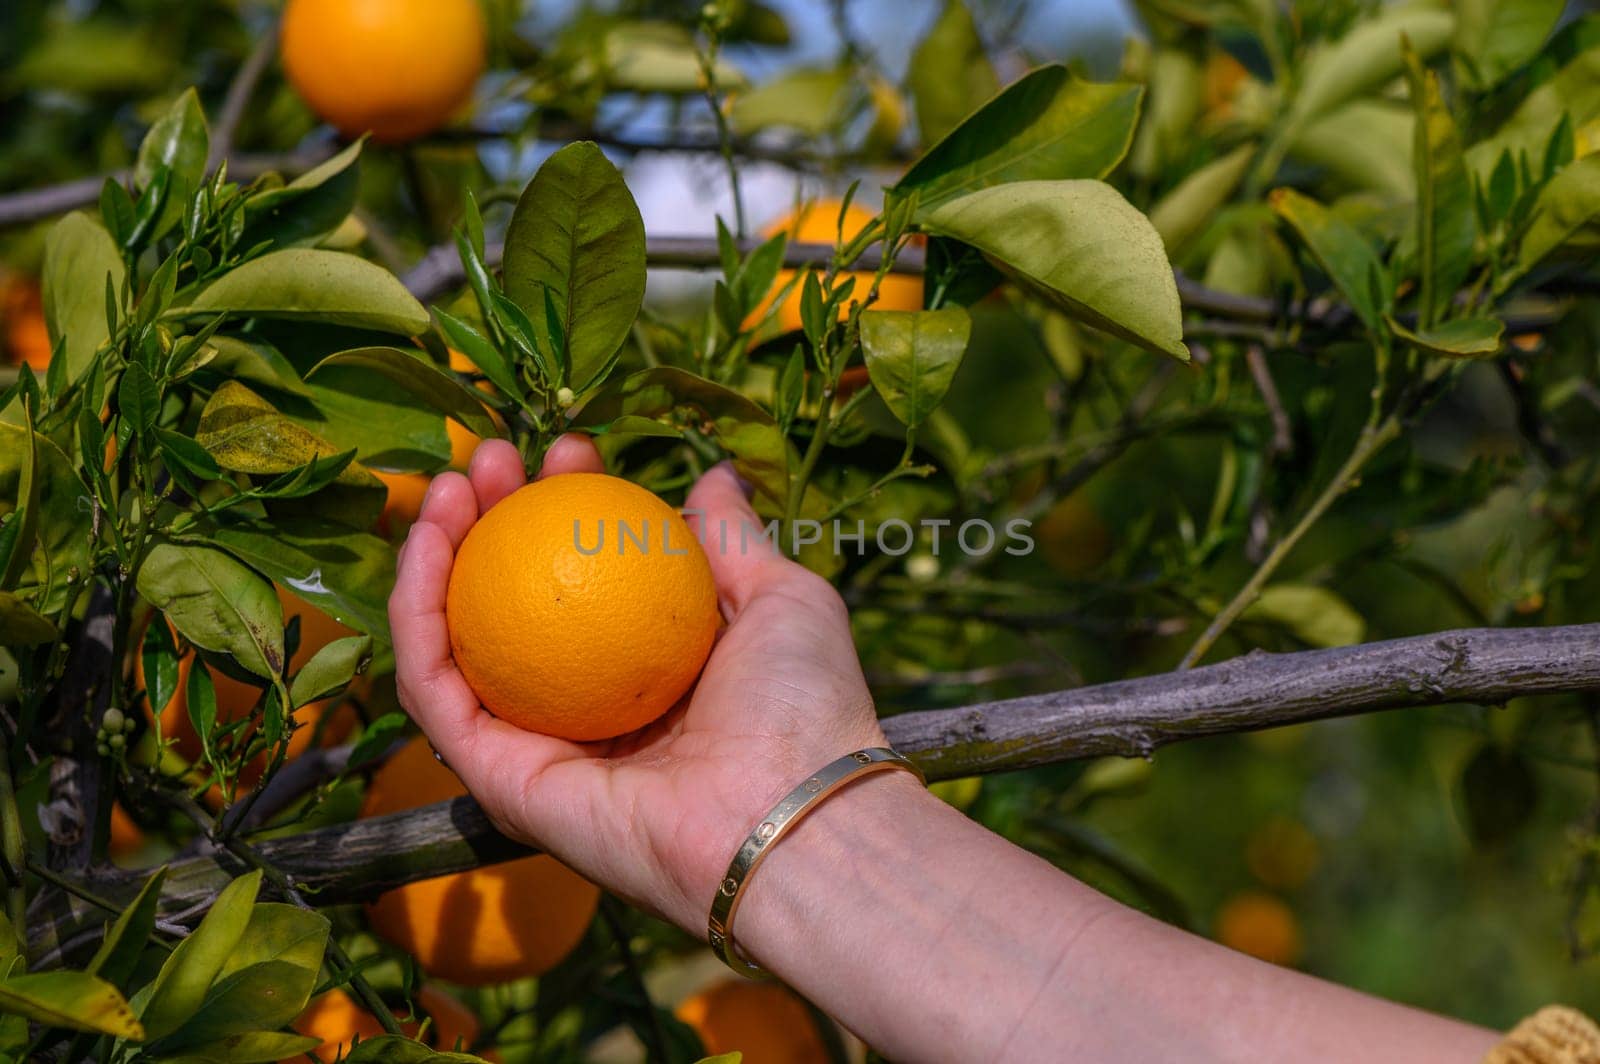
(553, 581)
(336, 1019)
(235, 699)
(27, 340)
(485, 926)
(764, 1021)
(395, 68)
(1260, 925)
(818, 223)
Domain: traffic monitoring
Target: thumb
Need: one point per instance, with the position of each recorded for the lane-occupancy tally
(744, 559)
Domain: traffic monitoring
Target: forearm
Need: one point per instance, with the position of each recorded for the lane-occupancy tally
(934, 939)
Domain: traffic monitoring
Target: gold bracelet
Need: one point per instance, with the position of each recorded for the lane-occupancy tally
(784, 816)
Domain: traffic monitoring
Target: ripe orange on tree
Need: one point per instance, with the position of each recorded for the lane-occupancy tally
(235, 698)
(1261, 925)
(394, 68)
(764, 1021)
(489, 925)
(27, 340)
(552, 580)
(818, 223)
(337, 1019)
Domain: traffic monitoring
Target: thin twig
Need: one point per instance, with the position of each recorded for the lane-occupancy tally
(237, 102)
(1261, 373)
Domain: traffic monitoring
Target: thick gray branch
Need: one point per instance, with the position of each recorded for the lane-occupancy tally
(1130, 718)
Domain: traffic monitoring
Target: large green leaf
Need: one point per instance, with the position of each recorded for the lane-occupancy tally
(280, 932)
(186, 977)
(1367, 58)
(128, 935)
(79, 257)
(1082, 245)
(577, 235)
(1048, 124)
(63, 514)
(422, 379)
(307, 208)
(178, 141)
(1496, 37)
(75, 1000)
(741, 427)
(814, 101)
(1446, 219)
(1567, 205)
(1343, 253)
(345, 574)
(310, 284)
(913, 355)
(252, 362)
(1565, 80)
(260, 997)
(1366, 145)
(950, 74)
(216, 603)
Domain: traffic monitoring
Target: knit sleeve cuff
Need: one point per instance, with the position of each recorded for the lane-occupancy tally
(1553, 1035)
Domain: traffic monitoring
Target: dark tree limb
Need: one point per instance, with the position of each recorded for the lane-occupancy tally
(1130, 718)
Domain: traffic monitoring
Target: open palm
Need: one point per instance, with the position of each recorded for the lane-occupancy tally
(655, 815)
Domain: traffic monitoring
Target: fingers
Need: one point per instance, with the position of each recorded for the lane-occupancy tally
(743, 561)
(451, 506)
(430, 687)
(495, 472)
(572, 453)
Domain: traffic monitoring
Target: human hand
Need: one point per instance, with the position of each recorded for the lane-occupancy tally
(655, 815)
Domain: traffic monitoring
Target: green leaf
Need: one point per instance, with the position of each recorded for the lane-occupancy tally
(1462, 338)
(216, 603)
(738, 424)
(1365, 145)
(159, 657)
(344, 573)
(1175, 98)
(310, 284)
(1494, 38)
(1048, 124)
(127, 936)
(1340, 250)
(178, 141)
(1367, 58)
(1081, 245)
(659, 57)
(1565, 81)
(1566, 206)
(181, 985)
(1193, 204)
(260, 997)
(330, 669)
(913, 355)
(247, 434)
(422, 379)
(950, 74)
(376, 738)
(814, 101)
(185, 453)
(21, 625)
(1316, 616)
(75, 1000)
(1446, 219)
(307, 208)
(21, 532)
(200, 701)
(80, 262)
(481, 353)
(138, 398)
(255, 363)
(62, 539)
(250, 1047)
(577, 233)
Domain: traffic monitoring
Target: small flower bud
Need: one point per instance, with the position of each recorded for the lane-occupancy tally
(102, 749)
(113, 720)
(565, 398)
(117, 742)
